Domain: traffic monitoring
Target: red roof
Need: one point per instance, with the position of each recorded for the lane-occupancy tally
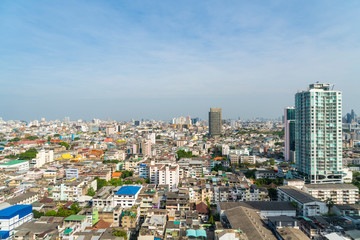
(202, 208)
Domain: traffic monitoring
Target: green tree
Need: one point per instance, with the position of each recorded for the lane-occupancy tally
(183, 154)
(76, 139)
(272, 193)
(250, 173)
(120, 233)
(14, 140)
(211, 220)
(91, 192)
(329, 203)
(272, 161)
(208, 203)
(56, 135)
(75, 207)
(295, 204)
(116, 182)
(218, 167)
(29, 154)
(51, 213)
(32, 138)
(101, 183)
(65, 213)
(126, 174)
(48, 138)
(158, 137)
(38, 214)
(65, 144)
(129, 181)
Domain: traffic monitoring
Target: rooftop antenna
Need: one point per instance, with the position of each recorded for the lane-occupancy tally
(333, 85)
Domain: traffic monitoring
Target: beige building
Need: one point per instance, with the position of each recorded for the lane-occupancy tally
(339, 193)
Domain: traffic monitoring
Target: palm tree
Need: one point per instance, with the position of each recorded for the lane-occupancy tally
(329, 203)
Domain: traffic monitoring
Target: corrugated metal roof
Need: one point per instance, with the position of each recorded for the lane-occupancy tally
(128, 190)
(10, 212)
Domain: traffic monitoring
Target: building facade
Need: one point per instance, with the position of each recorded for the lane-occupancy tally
(215, 121)
(12, 217)
(318, 134)
(289, 127)
(338, 193)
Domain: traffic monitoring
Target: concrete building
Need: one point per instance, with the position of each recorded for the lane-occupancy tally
(15, 165)
(72, 173)
(24, 199)
(318, 133)
(126, 196)
(307, 205)
(215, 125)
(12, 217)
(164, 174)
(42, 157)
(338, 193)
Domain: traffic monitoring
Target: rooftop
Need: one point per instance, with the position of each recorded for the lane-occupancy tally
(21, 210)
(128, 190)
(13, 162)
(299, 195)
(331, 186)
(75, 218)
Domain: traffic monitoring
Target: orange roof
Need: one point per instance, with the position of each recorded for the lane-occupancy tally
(116, 174)
(218, 158)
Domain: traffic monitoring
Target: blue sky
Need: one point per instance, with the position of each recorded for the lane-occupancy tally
(161, 59)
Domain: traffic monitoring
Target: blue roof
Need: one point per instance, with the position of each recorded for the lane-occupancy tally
(196, 233)
(128, 190)
(10, 212)
(4, 234)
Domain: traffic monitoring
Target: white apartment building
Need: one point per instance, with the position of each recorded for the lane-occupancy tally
(126, 196)
(189, 168)
(318, 133)
(161, 173)
(42, 157)
(72, 190)
(338, 193)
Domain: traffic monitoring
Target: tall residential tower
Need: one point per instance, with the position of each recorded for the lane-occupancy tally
(215, 122)
(289, 126)
(318, 134)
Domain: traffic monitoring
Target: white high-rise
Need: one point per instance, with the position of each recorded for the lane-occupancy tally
(318, 133)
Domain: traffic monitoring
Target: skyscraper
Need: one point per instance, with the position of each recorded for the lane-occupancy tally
(318, 134)
(215, 122)
(289, 128)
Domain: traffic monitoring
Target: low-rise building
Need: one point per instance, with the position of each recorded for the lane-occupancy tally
(265, 174)
(307, 204)
(338, 193)
(12, 217)
(15, 165)
(24, 199)
(126, 196)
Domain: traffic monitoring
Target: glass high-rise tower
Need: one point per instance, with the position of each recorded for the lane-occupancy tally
(289, 129)
(318, 133)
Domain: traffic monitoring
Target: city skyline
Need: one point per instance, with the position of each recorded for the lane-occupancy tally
(85, 60)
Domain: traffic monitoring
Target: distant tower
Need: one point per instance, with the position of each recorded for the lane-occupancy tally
(289, 128)
(215, 122)
(318, 133)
